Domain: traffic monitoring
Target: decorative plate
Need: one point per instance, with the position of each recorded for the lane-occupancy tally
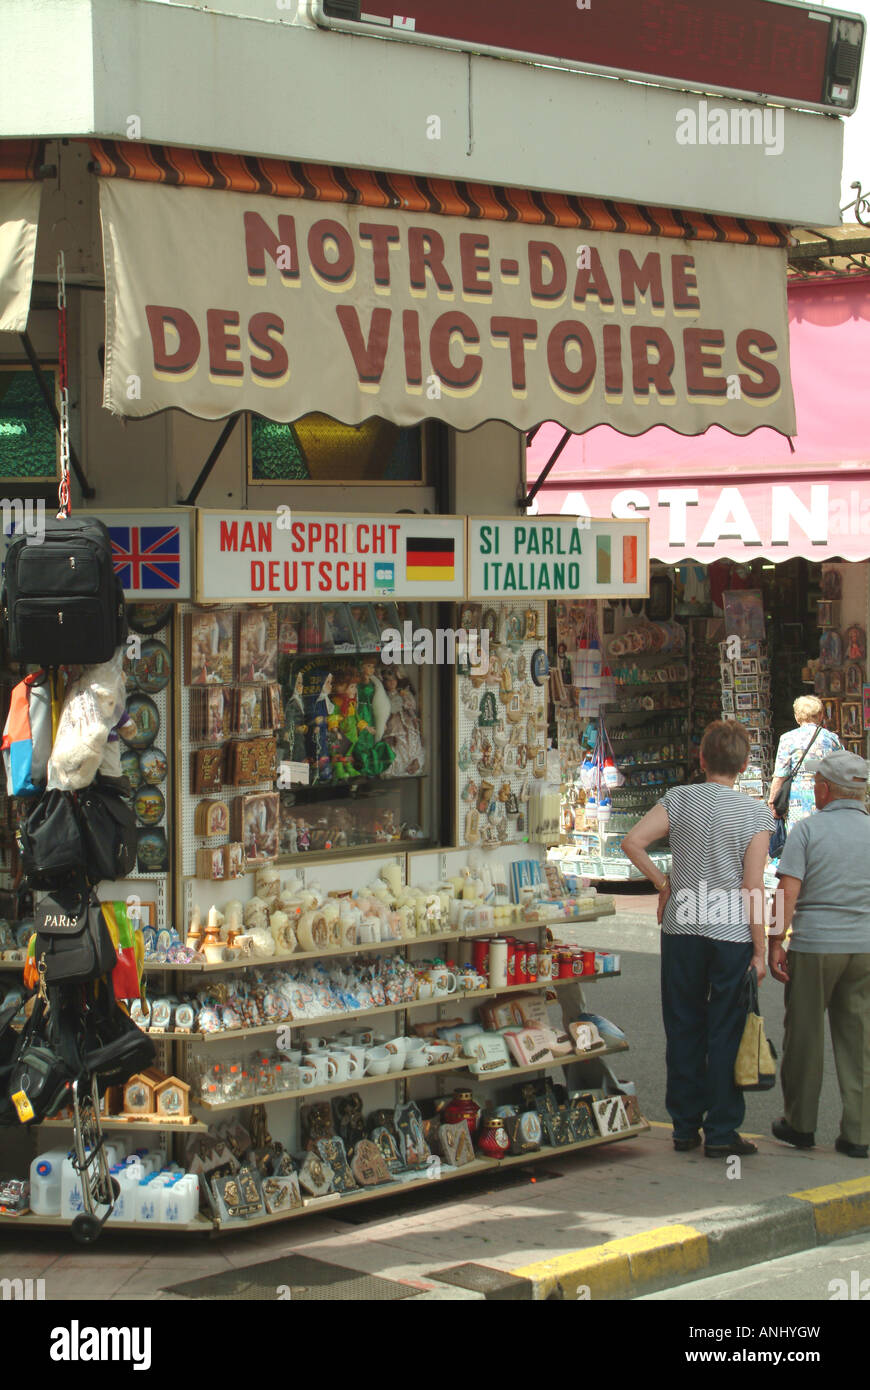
(131, 767)
(148, 618)
(152, 765)
(153, 667)
(540, 666)
(146, 717)
(149, 805)
(152, 854)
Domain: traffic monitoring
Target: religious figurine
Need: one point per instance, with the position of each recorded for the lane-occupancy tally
(320, 731)
(295, 724)
(402, 733)
(371, 755)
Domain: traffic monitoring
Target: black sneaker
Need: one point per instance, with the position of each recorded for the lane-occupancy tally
(798, 1138)
(843, 1146)
(736, 1147)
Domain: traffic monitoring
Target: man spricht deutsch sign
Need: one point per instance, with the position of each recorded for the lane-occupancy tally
(219, 302)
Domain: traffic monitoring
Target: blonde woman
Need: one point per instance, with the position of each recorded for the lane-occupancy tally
(808, 711)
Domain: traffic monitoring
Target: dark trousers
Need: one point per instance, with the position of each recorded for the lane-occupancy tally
(704, 1013)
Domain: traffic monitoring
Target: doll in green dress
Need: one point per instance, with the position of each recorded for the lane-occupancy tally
(371, 755)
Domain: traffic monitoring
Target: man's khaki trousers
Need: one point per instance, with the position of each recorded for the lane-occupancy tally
(840, 984)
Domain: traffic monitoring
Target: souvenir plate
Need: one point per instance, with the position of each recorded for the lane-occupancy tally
(152, 765)
(131, 767)
(149, 805)
(152, 854)
(153, 667)
(148, 618)
(146, 717)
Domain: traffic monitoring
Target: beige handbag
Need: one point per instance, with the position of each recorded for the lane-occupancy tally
(755, 1064)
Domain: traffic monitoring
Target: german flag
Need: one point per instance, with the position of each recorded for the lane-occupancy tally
(429, 559)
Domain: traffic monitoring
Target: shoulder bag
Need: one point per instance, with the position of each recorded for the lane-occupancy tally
(783, 796)
(73, 944)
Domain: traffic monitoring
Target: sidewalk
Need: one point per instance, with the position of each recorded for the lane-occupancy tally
(540, 1238)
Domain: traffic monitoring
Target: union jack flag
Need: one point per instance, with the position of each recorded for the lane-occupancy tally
(146, 557)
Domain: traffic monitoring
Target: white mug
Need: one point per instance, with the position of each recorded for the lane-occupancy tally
(339, 1065)
(307, 1076)
(443, 980)
(319, 1062)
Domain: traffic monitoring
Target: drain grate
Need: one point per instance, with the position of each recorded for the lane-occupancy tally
(298, 1277)
(420, 1199)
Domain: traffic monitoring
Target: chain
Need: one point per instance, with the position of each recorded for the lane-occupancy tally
(63, 492)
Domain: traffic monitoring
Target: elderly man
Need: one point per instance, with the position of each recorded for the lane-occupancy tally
(824, 878)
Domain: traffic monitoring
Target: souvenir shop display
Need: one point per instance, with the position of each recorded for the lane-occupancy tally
(746, 698)
(501, 727)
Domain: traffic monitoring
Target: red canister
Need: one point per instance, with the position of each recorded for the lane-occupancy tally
(512, 961)
(565, 960)
(588, 962)
(522, 963)
(480, 957)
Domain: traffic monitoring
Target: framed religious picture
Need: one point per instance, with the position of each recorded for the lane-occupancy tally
(826, 613)
(865, 700)
(832, 715)
(854, 745)
(850, 719)
(835, 682)
(853, 678)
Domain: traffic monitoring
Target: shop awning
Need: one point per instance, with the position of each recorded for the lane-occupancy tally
(231, 285)
(19, 214)
(717, 496)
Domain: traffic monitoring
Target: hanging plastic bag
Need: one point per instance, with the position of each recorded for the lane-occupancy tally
(130, 949)
(93, 706)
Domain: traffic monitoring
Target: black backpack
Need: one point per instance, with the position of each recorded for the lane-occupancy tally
(73, 944)
(37, 1080)
(108, 833)
(50, 842)
(62, 601)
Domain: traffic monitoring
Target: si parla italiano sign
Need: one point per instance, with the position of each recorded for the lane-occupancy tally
(557, 557)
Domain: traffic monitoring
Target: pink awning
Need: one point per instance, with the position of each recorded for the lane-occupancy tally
(717, 495)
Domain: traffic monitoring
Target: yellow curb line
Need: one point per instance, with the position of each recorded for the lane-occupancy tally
(619, 1266)
(840, 1208)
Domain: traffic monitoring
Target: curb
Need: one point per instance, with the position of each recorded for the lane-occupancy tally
(670, 1255)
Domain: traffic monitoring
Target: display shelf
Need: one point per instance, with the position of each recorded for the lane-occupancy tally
(118, 1122)
(367, 948)
(444, 1174)
(351, 1083)
(201, 1224)
(568, 1061)
(263, 1029)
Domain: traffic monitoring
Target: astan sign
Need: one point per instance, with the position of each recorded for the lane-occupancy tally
(705, 521)
(220, 302)
(282, 555)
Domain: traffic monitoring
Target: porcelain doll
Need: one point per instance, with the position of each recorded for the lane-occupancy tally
(402, 733)
(323, 708)
(372, 756)
(343, 729)
(295, 724)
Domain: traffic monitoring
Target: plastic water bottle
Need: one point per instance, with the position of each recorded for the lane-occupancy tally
(45, 1182)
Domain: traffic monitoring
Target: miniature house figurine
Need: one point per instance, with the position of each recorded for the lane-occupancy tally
(139, 1092)
(173, 1098)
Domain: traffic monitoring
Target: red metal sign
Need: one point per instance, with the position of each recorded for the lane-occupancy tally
(778, 50)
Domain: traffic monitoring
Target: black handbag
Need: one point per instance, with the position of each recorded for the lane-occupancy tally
(783, 796)
(38, 1082)
(73, 944)
(63, 604)
(108, 833)
(50, 842)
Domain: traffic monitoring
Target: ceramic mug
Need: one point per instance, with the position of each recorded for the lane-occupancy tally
(307, 1076)
(378, 1061)
(443, 980)
(425, 988)
(338, 1065)
(318, 1061)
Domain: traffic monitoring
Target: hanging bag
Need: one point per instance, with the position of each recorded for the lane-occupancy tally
(50, 842)
(783, 796)
(755, 1064)
(108, 833)
(27, 736)
(38, 1080)
(63, 604)
(73, 944)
